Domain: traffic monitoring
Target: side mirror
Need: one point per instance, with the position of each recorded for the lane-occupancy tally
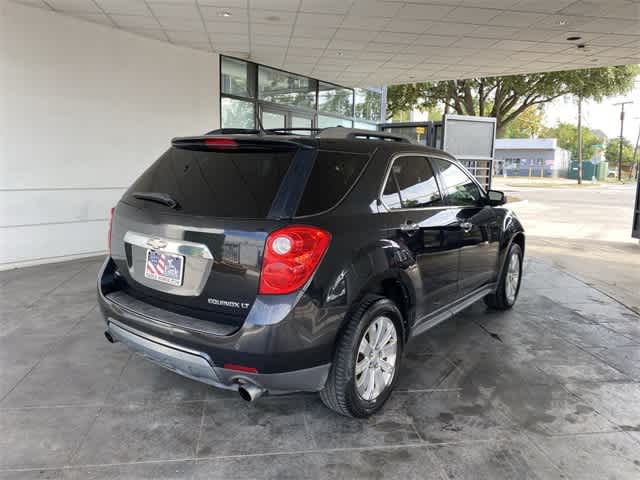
(496, 198)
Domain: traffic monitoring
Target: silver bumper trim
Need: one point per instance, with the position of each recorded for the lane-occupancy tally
(186, 362)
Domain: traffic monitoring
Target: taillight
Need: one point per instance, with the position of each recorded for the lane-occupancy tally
(111, 212)
(291, 256)
(221, 143)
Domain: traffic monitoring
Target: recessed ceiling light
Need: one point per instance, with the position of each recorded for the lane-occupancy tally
(581, 46)
(574, 38)
(224, 13)
(273, 18)
(339, 54)
(594, 59)
(562, 22)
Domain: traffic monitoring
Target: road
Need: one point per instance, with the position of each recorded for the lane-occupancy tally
(585, 231)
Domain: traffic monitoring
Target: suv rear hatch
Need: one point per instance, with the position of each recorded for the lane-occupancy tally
(189, 234)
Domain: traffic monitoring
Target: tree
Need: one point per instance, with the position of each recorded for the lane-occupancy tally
(526, 125)
(613, 149)
(567, 134)
(507, 97)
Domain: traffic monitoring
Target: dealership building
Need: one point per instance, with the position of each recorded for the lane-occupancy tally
(93, 90)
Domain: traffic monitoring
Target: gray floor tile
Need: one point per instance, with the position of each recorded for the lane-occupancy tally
(39, 474)
(178, 470)
(503, 368)
(406, 463)
(422, 372)
(235, 427)
(613, 456)
(456, 416)
(392, 426)
(575, 365)
(134, 433)
(549, 410)
(146, 383)
(42, 437)
(512, 457)
(619, 402)
(624, 359)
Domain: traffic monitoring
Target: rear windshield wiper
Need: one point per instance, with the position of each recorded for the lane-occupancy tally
(158, 197)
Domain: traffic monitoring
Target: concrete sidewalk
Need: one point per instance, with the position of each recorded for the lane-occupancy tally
(548, 390)
(585, 231)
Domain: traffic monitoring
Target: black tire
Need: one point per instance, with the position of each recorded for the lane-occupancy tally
(499, 299)
(340, 393)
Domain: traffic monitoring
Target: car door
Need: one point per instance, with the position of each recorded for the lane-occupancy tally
(477, 232)
(423, 226)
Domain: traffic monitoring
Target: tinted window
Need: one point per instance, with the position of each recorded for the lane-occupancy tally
(411, 184)
(219, 184)
(333, 174)
(461, 190)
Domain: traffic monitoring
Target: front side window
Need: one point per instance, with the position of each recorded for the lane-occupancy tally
(411, 184)
(461, 190)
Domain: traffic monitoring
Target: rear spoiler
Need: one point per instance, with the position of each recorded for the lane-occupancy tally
(235, 143)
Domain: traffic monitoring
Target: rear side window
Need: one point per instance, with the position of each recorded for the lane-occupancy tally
(461, 190)
(219, 184)
(333, 174)
(411, 184)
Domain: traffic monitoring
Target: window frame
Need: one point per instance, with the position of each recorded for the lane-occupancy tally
(436, 174)
(253, 88)
(456, 163)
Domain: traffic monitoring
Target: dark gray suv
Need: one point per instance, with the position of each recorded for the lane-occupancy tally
(274, 262)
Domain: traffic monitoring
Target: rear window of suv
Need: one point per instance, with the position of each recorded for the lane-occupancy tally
(332, 176)
(219, 184)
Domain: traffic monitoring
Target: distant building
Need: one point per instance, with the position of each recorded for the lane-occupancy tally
(523, 157)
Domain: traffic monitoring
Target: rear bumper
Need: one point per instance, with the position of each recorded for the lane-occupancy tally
(199, 366)
(273, 340)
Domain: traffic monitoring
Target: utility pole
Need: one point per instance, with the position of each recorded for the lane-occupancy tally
(622, 104)
(579, 139)
(635, 151)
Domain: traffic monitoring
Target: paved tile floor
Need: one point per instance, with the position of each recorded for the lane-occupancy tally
(548, 390)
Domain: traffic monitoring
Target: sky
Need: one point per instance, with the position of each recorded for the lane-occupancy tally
(602, 115)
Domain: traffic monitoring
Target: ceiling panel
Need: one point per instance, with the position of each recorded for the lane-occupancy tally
(361, 42)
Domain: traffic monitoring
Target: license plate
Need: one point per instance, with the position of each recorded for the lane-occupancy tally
(164, 267)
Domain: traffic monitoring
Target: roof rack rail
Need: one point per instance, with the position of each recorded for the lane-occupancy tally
(342, 132)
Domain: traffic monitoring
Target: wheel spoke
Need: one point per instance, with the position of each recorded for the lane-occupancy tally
(389, 349)
(380, 383)
(386, 367)
(369, 391)
(361, 365)
(365, 347)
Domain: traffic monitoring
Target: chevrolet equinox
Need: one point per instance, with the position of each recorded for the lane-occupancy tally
(270, 261)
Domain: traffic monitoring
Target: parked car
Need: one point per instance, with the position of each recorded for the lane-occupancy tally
(274, 262)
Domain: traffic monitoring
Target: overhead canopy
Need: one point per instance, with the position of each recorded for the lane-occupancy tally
(370, 42)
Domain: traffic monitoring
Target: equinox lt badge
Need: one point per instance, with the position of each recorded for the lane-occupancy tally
(228, 303)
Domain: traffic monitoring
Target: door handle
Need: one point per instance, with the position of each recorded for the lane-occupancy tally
(466, 226)
(409, 227)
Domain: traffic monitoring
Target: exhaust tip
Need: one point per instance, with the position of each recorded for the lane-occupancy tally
(244, 394)
(109, 338)
(250, 393)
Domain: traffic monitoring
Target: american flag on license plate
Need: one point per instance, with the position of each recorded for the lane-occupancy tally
(166, 265)
(156, 263)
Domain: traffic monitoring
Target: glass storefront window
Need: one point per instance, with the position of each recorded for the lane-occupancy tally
(237, 113)
(325, 122)
(285, 88)
(235, 78)
(368, 104)
(364, 125)
(336, 100)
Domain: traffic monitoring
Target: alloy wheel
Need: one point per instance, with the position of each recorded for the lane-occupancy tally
(376, 360)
